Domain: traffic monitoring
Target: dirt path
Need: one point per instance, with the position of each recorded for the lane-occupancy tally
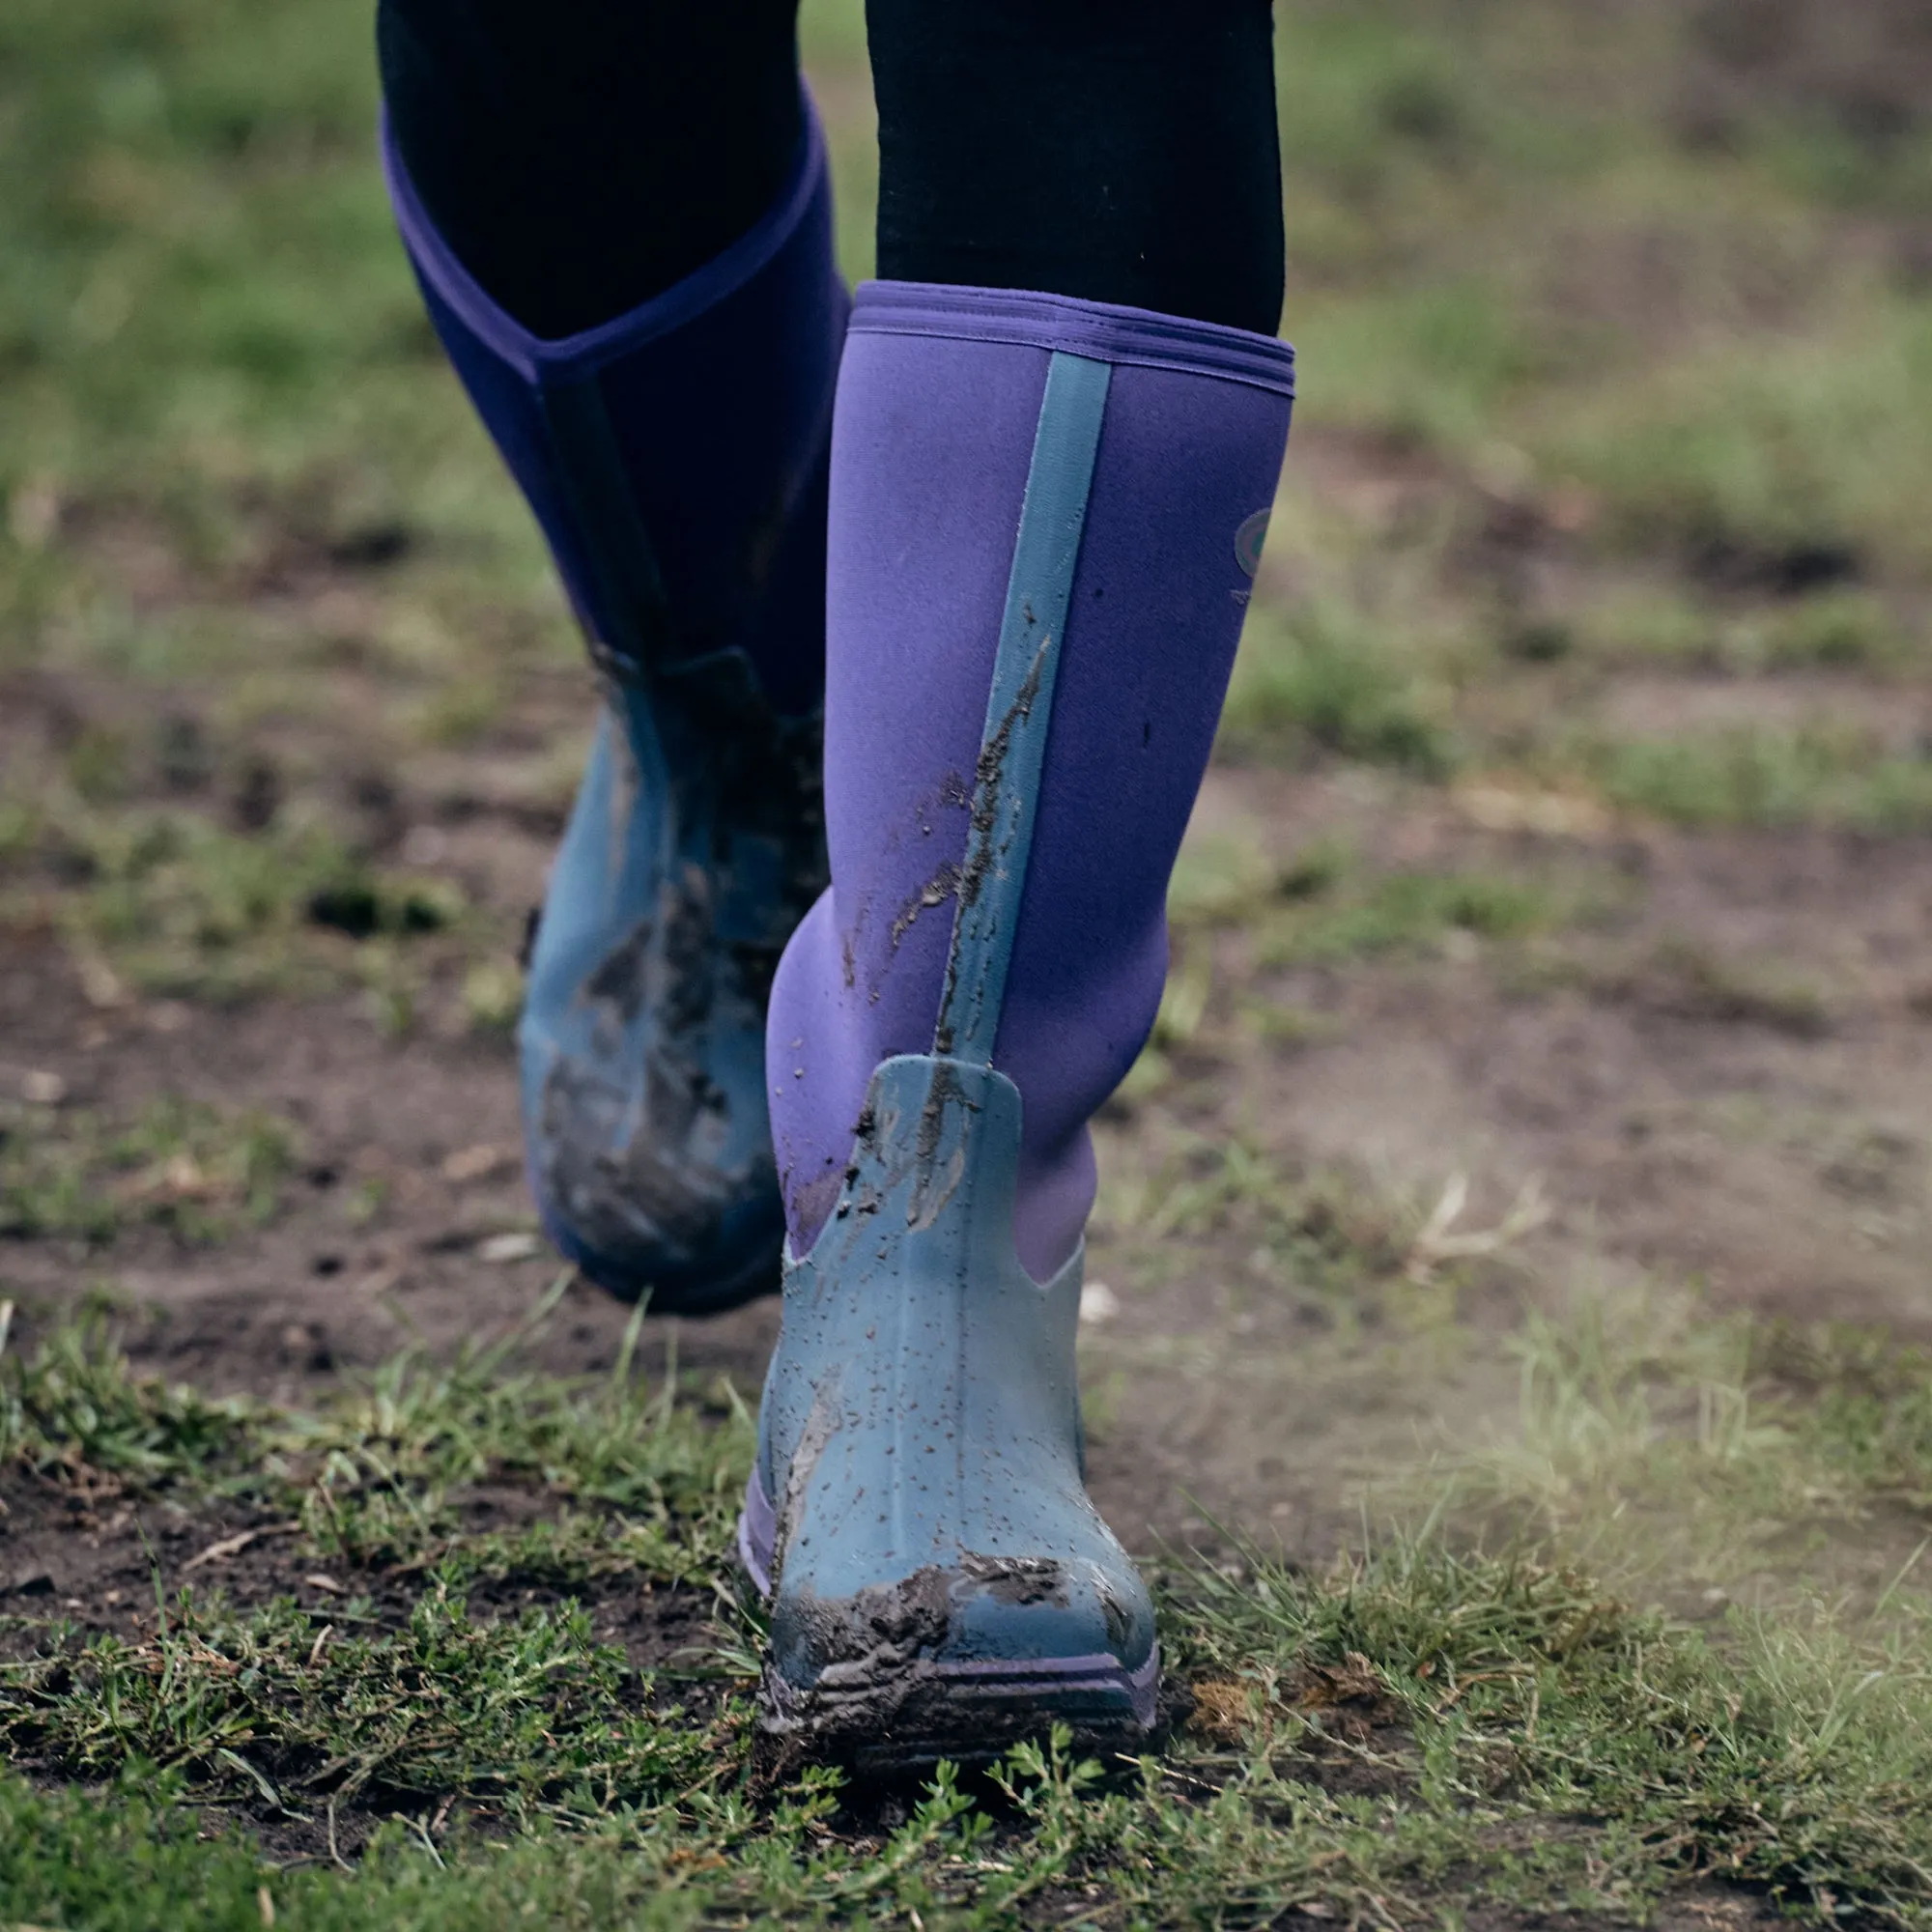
(1709, 1063)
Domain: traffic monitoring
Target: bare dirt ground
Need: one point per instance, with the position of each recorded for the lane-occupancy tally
(1712, 1069)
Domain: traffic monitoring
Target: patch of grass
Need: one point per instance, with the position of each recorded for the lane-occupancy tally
(1781, 1758)
(1319, 679)
(632, 1479)
(1708, 1456)
(1329, 1229)
(75, 1406)
(1834, 630)
(168, 902)
(1768, 778)
(1401, 912)
(1402, 1737)
(1318, 908)
(1429, 367)
(191, 1169)
(493, 995)
(1407, 1734)
(520, 1713)
(1667, 626)
(1786, 464)
(1224, 877)
(1637, 1434)
(1869, 1408)
(648, 1482)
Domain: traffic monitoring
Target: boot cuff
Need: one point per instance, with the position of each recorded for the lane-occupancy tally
(436, 263)
(1102, 330)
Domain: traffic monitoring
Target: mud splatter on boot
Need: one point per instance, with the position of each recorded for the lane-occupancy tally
(676, 458)
(940, 1584)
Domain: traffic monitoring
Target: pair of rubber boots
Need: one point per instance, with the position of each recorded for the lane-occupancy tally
(1029, 526)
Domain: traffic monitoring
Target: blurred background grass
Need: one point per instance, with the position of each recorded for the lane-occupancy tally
(1616, 337)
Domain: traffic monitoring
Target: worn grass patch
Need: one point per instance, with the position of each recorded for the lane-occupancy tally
(1324, 681)
(189, 1168)
(516, 1713)
(170, 902)
(631, 1478)
(1704, 1459)
(1776, 779)
(1325, 904)
(1396, 1738)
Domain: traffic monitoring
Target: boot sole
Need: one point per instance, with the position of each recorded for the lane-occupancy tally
(901, 1715)
(755, 1281)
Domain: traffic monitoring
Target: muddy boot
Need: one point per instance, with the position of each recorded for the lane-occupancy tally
(676, 460)
(1046, 517)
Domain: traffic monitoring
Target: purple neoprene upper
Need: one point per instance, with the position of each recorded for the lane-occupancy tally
(938, 400)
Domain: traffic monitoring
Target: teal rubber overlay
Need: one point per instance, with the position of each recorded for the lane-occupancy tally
(940, 1579)
(1019, 709)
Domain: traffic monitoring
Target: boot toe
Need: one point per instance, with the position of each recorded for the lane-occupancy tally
(646, 1135)
(962, 1659)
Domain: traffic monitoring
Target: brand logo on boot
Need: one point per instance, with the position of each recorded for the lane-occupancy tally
(1248, 541)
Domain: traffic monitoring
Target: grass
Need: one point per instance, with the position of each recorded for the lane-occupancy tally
(1769, 777)
(1324, 905)
(629, 1480)
(154, 900)
(1323, 679)
(1791, 467)
(188, 1168)
(522, 1715)
(1335, 901)
(1403, 911)
(1634, 627)
(1700, 1458)
(1632, 394)
(1393, 1739)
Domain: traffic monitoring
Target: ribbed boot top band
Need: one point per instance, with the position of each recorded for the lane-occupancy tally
(1102, 330)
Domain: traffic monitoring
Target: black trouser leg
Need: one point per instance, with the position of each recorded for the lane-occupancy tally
(1122, 151)
(582, 155)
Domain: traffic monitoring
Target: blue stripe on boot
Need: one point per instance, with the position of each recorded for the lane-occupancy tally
(1044, 525)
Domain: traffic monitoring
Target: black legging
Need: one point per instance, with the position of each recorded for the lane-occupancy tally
(582, 155)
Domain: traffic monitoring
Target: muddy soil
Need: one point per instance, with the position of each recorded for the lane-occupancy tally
(1717, 1070)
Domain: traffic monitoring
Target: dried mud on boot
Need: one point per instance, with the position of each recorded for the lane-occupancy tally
(887, 1704)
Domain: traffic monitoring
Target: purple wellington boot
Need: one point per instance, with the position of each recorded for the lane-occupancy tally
(1046, 517)
(676, 457)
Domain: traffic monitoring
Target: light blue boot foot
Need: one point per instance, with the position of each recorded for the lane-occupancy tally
(940, 1584)
(695, 847)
